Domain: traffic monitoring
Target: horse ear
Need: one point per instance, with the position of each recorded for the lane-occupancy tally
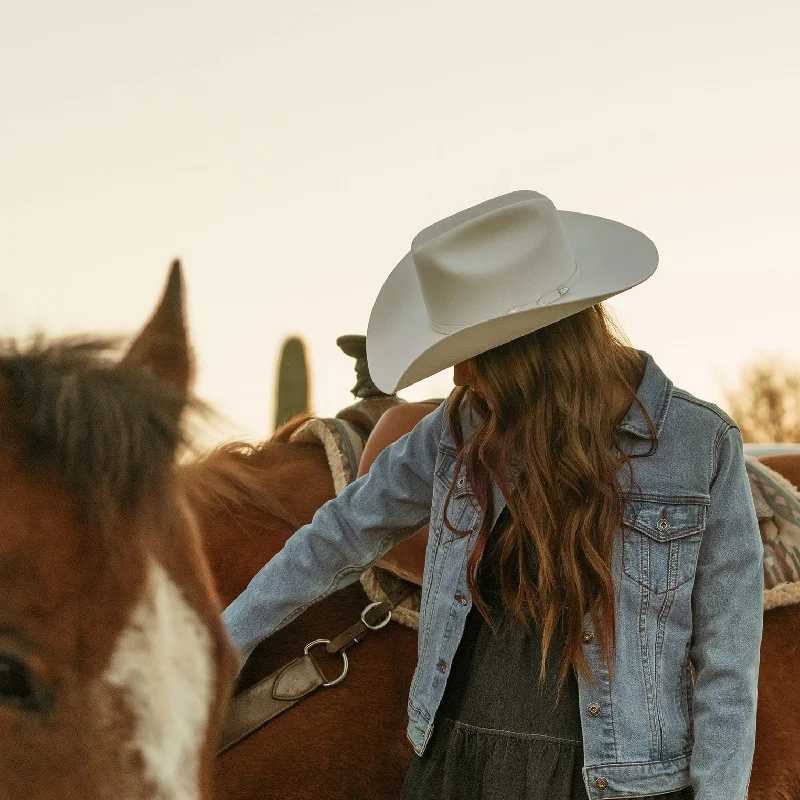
(162, 346)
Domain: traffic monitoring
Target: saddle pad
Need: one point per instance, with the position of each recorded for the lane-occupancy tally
(378, 584)
(777, 504)
(343, 443)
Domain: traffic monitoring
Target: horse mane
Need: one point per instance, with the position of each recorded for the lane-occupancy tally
(108, 431)
(232, 474)
(105, 430)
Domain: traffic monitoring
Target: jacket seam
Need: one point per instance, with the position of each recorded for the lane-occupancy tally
(611, 764)
(419, 711)
(643, 655)
(721, 434)
(662, 414)
(689, 398)
(663, 616)
(660, 794)
(424, 640)
(424, 602)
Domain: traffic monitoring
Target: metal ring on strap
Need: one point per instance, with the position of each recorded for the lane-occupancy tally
(380, 624)
(342, 654)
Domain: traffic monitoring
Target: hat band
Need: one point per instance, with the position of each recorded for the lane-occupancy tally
(544, 300)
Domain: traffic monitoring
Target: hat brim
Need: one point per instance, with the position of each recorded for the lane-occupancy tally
(403, 348)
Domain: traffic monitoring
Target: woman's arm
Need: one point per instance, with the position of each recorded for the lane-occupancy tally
(346, 535)
(728, 616)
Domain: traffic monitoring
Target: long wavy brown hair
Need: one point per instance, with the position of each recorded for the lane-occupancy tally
(549, 405)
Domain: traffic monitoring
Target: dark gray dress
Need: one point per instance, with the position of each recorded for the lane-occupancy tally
(499, 734)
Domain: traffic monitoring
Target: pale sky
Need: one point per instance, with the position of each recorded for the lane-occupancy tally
(289, 152)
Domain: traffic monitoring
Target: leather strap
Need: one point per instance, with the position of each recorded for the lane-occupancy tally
(374, 616)
(353, 635)
(268, 698)
(255, 707)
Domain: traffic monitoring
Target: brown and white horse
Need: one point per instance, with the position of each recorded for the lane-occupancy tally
(114, 667)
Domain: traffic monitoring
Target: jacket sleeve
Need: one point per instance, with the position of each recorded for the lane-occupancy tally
(728, 616)
(345, 536)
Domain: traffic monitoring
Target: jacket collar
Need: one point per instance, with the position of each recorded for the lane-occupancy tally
(654, 393)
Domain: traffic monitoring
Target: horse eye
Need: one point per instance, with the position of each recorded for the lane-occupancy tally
(16, 685)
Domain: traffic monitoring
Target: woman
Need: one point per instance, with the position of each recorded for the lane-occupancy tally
(592, 533)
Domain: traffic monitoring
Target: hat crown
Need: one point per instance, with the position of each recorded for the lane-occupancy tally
(495, 258)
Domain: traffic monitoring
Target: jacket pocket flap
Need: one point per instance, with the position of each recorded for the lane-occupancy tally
(665, 519)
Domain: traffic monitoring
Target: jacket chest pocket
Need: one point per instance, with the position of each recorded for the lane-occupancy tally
(661, 540)
(463, 504)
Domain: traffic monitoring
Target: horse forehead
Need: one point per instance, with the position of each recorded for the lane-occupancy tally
(41, 538)
(163, 668)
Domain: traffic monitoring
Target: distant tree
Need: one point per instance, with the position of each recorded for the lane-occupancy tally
(291, 391)
(766, 405)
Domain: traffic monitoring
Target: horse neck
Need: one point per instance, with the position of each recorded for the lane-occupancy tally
(249, 500)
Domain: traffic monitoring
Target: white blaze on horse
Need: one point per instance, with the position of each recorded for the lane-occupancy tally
(114, 666)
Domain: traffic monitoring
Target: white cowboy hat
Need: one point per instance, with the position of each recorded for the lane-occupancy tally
(492, 273)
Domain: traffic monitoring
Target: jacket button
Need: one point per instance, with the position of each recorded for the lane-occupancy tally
(587, 637)
(461, 599)
(601, 783)
(594, 709)
(441, 666)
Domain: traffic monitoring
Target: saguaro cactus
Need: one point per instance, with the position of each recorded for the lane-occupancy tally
(291, 391)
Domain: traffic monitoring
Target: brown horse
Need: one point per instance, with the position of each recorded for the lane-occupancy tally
(348, 742)
(344, 742)
(114, 666)
(776, 765)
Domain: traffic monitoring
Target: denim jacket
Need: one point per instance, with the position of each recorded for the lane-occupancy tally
(687, 565)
